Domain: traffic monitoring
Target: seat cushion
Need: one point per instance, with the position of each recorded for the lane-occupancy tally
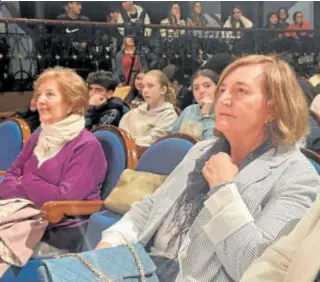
(10, 143)
(132, 187)
(163, 156)
(115, 153)
(98, 222)
(26, 274)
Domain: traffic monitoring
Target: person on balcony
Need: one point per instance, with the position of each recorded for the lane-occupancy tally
(201, 20)
(269, 38)
(299, 23)
(103, 108)
(132, 16)
(151, 120)
(283, 16)
(76, 36)
(236, 20)
(197, 120)
(174, 18)
(63, 161)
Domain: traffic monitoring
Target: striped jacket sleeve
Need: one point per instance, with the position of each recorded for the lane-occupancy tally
(239, 237)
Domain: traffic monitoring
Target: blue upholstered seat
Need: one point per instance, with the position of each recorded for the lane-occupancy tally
(163, 156)
(160, 158)
(11, 143)
(115, 153)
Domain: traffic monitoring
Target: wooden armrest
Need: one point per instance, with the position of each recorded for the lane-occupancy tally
(2, 172)
(141, 150)
(55, 211)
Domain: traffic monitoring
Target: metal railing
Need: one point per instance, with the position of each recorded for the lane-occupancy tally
(30, 45)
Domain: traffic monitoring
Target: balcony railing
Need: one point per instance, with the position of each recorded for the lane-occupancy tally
(27, 46)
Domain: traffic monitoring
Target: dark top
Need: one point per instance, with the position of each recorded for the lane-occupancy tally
(32, 118)
(110, 113)
(184, 98)
(74, 33)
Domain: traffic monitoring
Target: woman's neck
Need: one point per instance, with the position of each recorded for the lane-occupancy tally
(241, 147)
(130, 50)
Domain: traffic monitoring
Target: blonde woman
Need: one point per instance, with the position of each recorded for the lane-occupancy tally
(231, 197)
(62, 162)
(151, 120)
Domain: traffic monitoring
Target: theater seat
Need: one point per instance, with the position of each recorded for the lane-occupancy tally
(160, 158)
(14, 132)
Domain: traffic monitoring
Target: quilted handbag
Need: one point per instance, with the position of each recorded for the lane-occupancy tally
(127, 263)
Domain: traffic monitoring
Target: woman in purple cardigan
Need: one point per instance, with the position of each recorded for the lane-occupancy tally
(64, 161)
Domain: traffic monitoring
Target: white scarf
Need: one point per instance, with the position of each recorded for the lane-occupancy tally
(54, 136)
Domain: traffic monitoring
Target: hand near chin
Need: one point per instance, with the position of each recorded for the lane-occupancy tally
(206, 106)
(219, 169)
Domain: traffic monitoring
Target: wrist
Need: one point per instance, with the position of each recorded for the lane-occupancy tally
(214, 189)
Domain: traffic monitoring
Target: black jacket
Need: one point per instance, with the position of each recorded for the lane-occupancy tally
(32, 118)
(110, 113)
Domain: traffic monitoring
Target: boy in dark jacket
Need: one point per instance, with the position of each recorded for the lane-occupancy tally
(103, 108)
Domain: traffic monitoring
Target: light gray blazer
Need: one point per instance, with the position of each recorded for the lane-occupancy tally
(269, 196)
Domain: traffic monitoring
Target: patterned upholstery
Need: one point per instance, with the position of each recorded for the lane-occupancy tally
(10, 143)
(115, 153)
(161, 158)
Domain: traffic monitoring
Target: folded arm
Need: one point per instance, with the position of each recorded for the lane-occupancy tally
(77, 180)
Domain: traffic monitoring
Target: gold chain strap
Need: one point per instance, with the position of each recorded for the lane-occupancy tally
(99, 273)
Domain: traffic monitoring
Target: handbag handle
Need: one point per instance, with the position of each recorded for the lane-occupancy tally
(99, 273)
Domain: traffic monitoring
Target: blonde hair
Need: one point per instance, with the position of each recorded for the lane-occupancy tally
(71, 85)
(286, 99)
(170, 95)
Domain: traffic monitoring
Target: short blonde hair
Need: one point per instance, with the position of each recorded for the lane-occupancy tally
(72, 86)
(170, 95)
(287, 100)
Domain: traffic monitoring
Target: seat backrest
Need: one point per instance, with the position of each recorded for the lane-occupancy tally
(12, 138)
(115, 154)
(120, 153)
(163, 156)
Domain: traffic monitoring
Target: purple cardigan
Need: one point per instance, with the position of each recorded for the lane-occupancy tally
(75, 173)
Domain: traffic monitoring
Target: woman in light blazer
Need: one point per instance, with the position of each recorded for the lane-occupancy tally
(231, 197)
(294, 258)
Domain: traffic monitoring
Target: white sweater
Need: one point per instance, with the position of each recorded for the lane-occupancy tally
(229, 34)
(147, 126)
